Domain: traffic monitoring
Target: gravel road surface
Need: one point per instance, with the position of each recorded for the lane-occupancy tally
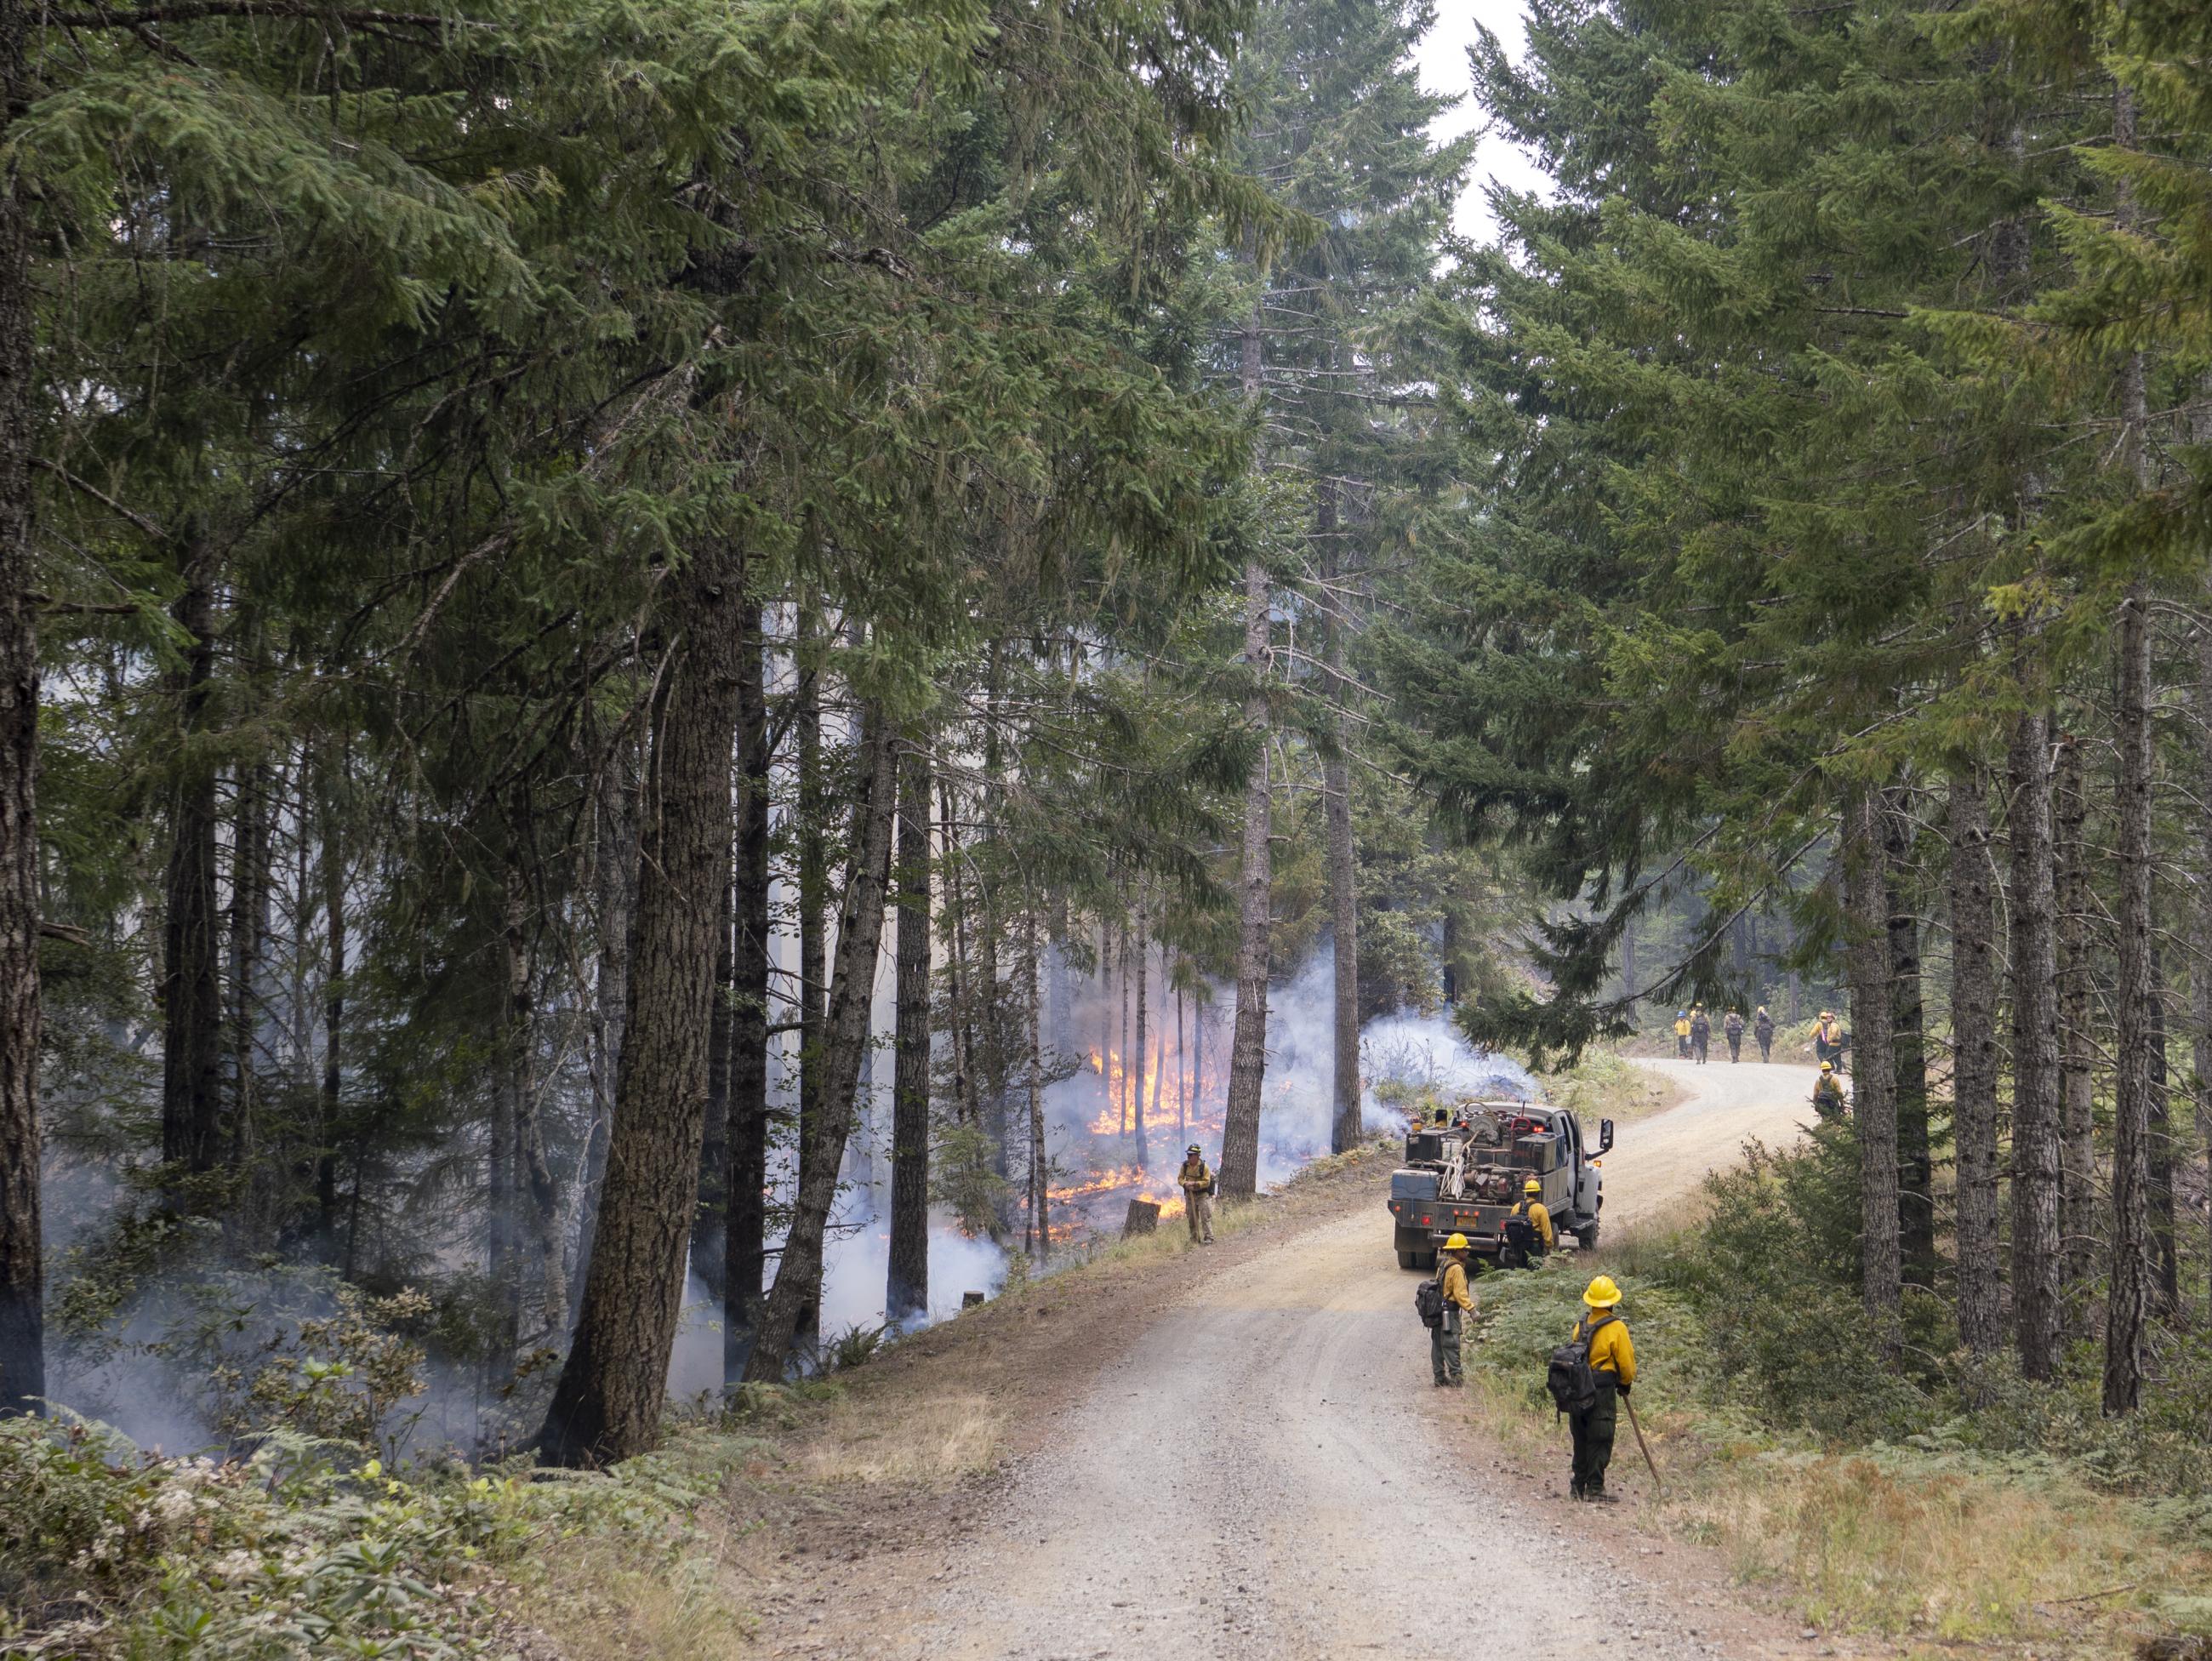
(1267, 1473)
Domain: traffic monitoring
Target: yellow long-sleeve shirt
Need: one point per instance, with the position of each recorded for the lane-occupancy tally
(1610, 1350)
(1539, 1218)
(1454, 1283)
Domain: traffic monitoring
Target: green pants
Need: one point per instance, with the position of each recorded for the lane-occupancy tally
(1593, 1427)
(1443, 1348)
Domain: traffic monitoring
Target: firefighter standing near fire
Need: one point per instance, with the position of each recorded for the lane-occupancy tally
(1613, 1365)
(1197, 1183)
(1445, 1336)
(1534, 1227)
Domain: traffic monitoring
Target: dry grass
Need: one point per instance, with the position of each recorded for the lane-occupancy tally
(930, 1438)
(1910, 1549)
(606, 1600)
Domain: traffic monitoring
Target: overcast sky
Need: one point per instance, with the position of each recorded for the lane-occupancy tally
(1444, 69)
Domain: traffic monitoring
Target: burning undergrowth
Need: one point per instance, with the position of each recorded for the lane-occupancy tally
(1117, 1129)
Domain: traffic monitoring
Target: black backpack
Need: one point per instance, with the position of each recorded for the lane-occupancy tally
(1570, 1379)
(1520, 1233)
(1429, 1300)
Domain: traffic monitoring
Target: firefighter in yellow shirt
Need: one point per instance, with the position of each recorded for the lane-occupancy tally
(1445, 1336)
(1682, 1033)
(1613, 1364)
(1528, 1231)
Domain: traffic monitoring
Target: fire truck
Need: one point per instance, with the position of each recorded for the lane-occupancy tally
(1465, 1176)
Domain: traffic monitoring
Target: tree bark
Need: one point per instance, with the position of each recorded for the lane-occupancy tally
(709, 1258)
(614, 903)
(332, 864)
(745, 1241)
(1915, 1164)
(812, 809)
(2076, 1049)
(1239, 1169)
(2128, 1292)
(191, 1009)
(1345, 1130)
(22, 1284)
(2200, 967)
(1142, 1054)
(501, 1183)
(2035, 1163)
(859, 933)
(954, 924)
(1874, 1098)
(906, 1291)
(1248, 1055)
(607, 1404)
(2166, 1262)
(1039, 1241)
(250, 883)
(1974, 1075)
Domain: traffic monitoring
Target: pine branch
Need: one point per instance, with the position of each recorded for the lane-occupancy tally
(193, 11)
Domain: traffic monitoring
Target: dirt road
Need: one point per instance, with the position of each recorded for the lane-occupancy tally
(1662, 1158)
(1265, 1472)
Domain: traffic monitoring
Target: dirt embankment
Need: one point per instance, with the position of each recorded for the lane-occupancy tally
(1237, 1450)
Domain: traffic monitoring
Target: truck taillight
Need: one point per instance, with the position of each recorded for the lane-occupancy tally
(1425, 1221)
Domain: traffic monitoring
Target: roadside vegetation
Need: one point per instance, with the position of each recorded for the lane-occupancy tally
(1931, 1496)
(312, 1542)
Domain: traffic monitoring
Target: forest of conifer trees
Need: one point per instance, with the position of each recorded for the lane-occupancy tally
(589, 590)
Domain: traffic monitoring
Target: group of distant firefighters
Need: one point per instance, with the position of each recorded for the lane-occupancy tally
(1694, 1033)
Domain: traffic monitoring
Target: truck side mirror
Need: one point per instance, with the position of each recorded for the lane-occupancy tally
(1604, 1135)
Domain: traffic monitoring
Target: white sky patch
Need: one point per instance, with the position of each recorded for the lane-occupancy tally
(1442, 57)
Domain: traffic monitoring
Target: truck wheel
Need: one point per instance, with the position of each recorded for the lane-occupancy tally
(1587, 1237)
(1425, 1261)
(1405, 1260)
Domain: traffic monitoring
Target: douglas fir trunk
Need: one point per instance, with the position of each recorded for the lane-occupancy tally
(859, 931)
(2127, 1296)
(1874, 1100)
(906, 1290)
(2080, 1204)
(1248, 1054)
(2035, 1186)
(607, 1404)
(22, 1349)
(1974, 1019)
(744, 1240)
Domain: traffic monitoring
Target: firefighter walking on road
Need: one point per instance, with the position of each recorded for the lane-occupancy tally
(1612, 1368)
(1197, 1184)
(1682, 1033)
(1762, 1028)
(1732, 1029)
(1701, 1032)
(1828, 1038)
(1445, 1336)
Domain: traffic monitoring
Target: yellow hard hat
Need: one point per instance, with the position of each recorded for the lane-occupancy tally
(1532, 1186)
(1602, 1293)
(1457, 1243)
(1827, 1067)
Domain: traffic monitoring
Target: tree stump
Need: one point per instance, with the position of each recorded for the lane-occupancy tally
(1143, 1219)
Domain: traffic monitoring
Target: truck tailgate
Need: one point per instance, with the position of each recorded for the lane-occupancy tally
(1444, 1216)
